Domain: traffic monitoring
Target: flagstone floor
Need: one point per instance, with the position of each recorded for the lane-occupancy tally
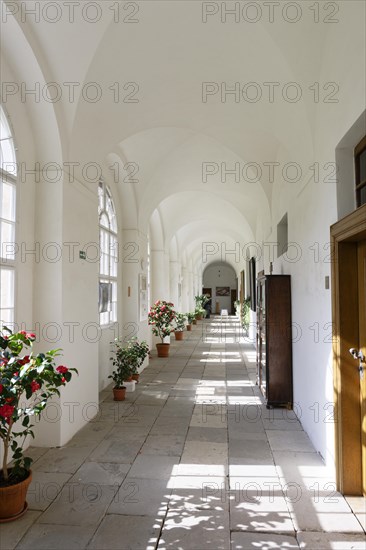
(192, 460)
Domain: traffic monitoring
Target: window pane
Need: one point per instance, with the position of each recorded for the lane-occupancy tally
(7, 288)
(362, 195)
(4, 126)
(362, 166)
(100, 197)
(8, 156)
(104, 222)
(7, 240)
(104, 318)
(104, 264)
(6, 318)
(7, 205)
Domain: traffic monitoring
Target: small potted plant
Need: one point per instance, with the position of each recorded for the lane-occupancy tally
(200, 300)
(123, 361)
(180, 323)
(191, 317)
(141, 350)
(27, 382)
(161, 317)
(199, 313)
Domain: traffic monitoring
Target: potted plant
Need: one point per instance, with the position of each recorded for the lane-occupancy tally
(200, 300)
(140, 351)
(124, 360)
(191, 317)
(161, 317)
(180, 323)
(199, 313)
(27, 382)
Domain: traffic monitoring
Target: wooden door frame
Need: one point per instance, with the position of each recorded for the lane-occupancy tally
(345, 234)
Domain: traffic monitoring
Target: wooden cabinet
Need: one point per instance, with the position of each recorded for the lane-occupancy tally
(274, 339)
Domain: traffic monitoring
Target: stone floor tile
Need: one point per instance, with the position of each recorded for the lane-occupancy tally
(149, 397)
(208, 497)
(357, 504)
(63, 459)
(141, 497)
(214, 435)
(79, 504)
(213, 484)
(102, 473)
(35, 453)
(283, 440)
(281, 424)
(167, 425)
(208, 421)
(197, 469)
(193, 530)
(153, 467)
(117, 532)
(262, 541)
(116, 450)
(253, 451)
(259, 511)
(204, 453)
(11, 533)
(327, 513)
(44, 489)
(170, 445)
(57, 537)
(330, 541)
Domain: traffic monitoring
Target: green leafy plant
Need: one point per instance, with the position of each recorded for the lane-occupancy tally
(190, 317)
(200, 311)
(201, 300)
(161, 317)
(127, 359)
(180, 322)
(33, 378)
(245, 314)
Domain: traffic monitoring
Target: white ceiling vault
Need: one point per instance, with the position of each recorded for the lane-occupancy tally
(153, 113)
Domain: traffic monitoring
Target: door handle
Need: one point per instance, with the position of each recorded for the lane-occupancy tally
(358, 354)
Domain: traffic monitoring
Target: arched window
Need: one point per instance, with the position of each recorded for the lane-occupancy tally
(108, 256)
(8, 173)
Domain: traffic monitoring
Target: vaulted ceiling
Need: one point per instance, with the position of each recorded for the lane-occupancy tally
(157, 112)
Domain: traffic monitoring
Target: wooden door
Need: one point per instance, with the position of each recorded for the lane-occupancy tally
(349, 326)
(361, 259)
(233, 300)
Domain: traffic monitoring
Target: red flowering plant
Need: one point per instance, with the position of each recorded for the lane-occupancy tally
(27, 382)
(161, 317)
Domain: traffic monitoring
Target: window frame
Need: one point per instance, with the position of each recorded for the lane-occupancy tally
(6, 263)
(359, 185)
(107, 233)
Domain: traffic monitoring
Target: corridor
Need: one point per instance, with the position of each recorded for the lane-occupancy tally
(192, 460)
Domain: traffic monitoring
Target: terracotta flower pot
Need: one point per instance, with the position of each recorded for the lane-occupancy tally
(178, 334)
(119, 394)
(194, 321)
(12, 500)
(136, 377)
(163, 350)
(199, 317)
(189, 328)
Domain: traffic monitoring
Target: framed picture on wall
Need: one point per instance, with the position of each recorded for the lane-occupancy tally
(252, 280)
(143, 297)
(222, 291)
